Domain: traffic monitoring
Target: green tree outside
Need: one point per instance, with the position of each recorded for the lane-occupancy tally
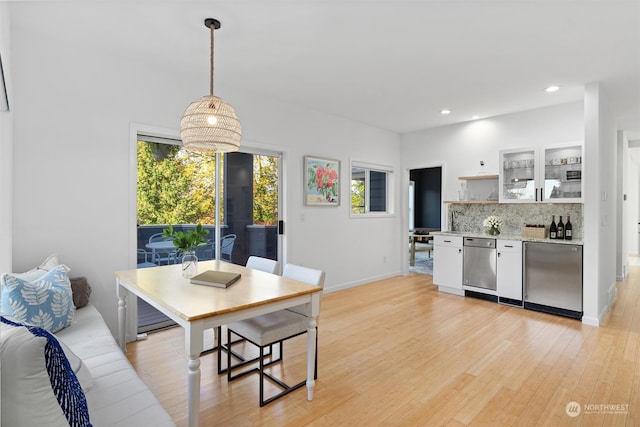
(175, 187)
(265, 190)
(357, 196)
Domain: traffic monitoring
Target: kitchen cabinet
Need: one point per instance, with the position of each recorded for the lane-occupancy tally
(548, 174)
(447, 263)
(509, 272)
(477, 189)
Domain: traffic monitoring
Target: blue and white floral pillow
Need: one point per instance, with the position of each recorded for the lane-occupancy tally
(46, 302)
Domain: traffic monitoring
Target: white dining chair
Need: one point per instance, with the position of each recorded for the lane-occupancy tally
(274, 328)
(255, 263)
(263, 264)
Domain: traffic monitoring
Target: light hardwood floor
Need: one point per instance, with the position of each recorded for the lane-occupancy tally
(398, 352)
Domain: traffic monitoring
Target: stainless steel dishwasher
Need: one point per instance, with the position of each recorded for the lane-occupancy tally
(479, 260)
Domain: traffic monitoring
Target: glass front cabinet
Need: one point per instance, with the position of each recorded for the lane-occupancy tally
(548, 174)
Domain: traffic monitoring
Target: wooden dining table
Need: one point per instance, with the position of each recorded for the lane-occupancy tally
(197, 308)
(423, 233)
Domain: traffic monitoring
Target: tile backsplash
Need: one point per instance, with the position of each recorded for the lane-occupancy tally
(469, 216)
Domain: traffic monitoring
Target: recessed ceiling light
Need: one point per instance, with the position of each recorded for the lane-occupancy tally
(445, 112)
(475, 117)
(552, 89)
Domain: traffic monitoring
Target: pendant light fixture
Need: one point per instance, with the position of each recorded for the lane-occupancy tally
(210, 125)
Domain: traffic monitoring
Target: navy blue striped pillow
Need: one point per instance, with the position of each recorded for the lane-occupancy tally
(64, 383)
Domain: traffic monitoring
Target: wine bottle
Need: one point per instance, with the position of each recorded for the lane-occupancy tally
(568, 229)
(553, 230)
(560, 233)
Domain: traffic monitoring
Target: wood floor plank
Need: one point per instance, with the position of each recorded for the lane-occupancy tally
(398, 352)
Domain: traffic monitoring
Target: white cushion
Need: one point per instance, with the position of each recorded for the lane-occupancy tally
(271, 327)
(47, 265)
(79, 368)
(46, 302)
(118, 396)
(39, 387)
(35, 273)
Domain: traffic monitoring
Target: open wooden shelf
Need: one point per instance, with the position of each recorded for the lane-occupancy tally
(471, 178)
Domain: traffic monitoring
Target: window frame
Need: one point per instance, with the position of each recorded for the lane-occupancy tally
(389, 189)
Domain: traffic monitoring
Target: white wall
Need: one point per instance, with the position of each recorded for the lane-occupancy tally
(6, 154)
(632, 205)
(73, 159)
(326, 237)
(461, 147)
(610, 165)
(625, 193)
(600, 204)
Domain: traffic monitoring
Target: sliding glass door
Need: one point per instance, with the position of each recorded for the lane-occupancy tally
(178, 187)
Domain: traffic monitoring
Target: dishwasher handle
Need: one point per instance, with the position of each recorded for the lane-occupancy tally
(480, 242)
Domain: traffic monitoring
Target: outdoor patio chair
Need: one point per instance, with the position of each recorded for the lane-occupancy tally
(146, 259)
(168, 256)
(226, 247)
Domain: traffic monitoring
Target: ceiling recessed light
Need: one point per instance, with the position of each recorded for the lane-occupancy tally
(475, 117)
(552, 89)
(445, 112)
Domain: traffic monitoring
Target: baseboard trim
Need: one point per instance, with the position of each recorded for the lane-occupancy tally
(591, 321)
(347, 285)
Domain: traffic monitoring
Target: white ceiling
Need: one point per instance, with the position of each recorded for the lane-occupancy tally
(391, 64)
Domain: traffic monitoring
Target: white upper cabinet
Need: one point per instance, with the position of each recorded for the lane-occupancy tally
(563, 174)
(518, 176)
(548, 174)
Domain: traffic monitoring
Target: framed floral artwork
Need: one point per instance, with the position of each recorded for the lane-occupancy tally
(321, 181)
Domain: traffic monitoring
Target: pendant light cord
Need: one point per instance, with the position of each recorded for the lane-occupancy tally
(212, 26)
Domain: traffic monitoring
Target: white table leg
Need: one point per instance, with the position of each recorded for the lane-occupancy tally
(193, 390)
(311, 357)
(193, 346)
(122, 317)
(412, 259)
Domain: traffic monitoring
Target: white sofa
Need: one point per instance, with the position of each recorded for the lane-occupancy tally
(97, 381)
(76, 376)
(118, 397)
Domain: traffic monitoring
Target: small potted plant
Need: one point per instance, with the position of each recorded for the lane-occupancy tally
(186, 242)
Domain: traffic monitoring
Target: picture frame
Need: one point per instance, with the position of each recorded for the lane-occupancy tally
(321, 181)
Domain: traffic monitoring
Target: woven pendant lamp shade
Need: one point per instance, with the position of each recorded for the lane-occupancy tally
(210, 125)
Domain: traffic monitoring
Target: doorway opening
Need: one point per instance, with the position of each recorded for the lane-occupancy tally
(425, 216)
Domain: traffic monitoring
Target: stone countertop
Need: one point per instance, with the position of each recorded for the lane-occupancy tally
(505, 237)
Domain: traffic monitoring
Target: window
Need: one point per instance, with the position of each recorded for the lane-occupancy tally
(371, 189)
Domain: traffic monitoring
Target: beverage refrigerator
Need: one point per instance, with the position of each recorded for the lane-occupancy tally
(553, 278)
